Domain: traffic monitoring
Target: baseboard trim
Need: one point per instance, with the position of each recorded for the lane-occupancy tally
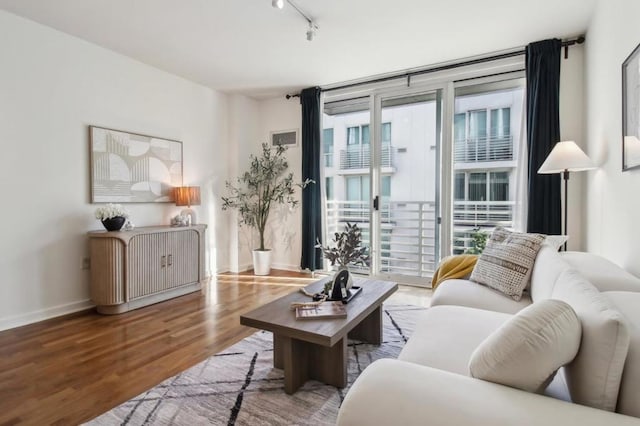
(44, 314)
(286, 267)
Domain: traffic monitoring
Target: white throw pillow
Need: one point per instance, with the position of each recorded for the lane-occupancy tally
(556, 241)
(526, 351)
(507, 260)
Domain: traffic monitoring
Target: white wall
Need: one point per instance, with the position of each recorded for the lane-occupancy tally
(612, 202)
(572, 128)
(52, 87)
(244, 132)
(285, 225)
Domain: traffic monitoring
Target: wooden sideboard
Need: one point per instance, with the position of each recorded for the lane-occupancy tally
(131, 269)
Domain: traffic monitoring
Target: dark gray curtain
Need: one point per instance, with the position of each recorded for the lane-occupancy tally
(543, 131)
(311, 196)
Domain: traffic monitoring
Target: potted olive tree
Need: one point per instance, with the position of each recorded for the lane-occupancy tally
(257, 191)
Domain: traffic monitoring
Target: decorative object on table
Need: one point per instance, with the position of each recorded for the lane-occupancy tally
(188, 196)
(257, 190)
(326, 310)
(284, 137)
(478, 241)
(564, 158)
(129, 226)
(180, 220)
(631, 110)
(346, 250)
(112, 216)
(133, 168)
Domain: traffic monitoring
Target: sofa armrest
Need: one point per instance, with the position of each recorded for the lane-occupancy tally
(393, 392)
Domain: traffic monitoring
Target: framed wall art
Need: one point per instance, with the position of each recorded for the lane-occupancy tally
(133, 168)
(631, 111)
(285, 137)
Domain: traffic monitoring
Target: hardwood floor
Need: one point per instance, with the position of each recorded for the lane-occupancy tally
(68, 370)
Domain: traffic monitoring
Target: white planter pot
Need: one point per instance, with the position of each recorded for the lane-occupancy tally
(261, 262)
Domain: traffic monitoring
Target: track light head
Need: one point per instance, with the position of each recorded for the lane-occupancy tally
(279, 4)
(311, 32)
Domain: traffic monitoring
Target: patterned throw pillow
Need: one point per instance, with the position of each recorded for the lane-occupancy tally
(507, 260)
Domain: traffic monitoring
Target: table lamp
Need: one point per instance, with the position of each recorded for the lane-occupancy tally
(188, 196)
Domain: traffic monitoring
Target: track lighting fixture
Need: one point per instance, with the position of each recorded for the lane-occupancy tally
(313, 28)
(311, 32)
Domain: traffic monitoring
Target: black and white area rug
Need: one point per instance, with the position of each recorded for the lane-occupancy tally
(239, 386)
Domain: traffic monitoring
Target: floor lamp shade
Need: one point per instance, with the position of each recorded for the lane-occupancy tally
(566, 157)
(187, 196)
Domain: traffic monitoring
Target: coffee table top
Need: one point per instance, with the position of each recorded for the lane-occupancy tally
(278, 317)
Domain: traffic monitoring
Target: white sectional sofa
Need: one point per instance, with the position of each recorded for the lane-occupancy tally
(430, 383)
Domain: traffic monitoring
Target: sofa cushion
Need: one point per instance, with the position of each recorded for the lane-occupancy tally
(446, 336)
(474, 295)
(629, 397)
(601, 272)
(546, 270)
(594, 376)
(507, 260)
(526, 351)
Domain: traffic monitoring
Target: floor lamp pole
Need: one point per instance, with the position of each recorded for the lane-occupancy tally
(565, 176)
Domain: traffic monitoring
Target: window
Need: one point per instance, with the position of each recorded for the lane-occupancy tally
(458, 188)
(357, 188)
(353, 136)
(386, 133)
(327, 143)
(499, 186)
(328, 187)
(385, 187)
(500, 122)
(483, 135)
(460, 126)
(481, 186)
(477, 186)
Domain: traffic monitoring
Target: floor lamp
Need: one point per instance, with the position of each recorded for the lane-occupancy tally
(564, 158)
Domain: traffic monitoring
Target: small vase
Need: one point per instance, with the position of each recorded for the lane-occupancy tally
(114, 223)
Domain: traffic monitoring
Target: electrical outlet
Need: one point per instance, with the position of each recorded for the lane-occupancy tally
(86, 263)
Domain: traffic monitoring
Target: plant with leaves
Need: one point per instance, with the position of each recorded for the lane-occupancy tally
(264, 185)
(347, 248)
(478, 242)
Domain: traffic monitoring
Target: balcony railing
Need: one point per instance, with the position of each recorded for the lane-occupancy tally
(407, 240)
(483, 149)
(360, 158)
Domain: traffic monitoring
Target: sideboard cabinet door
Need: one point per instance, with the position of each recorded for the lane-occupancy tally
(147, 264)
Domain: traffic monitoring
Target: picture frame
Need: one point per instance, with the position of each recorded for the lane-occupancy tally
(631, 111)
(133, 168)
(287, 138)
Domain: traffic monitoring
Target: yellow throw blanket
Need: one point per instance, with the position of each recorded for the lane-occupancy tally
(458, 266)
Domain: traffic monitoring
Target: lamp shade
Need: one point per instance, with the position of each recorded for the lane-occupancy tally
(187, 195)
(566, 156)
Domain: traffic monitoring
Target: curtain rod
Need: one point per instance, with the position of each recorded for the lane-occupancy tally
(409, 74)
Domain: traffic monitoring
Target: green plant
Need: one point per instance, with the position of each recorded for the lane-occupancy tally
(347, 248)
(479, 241)
(264, 185)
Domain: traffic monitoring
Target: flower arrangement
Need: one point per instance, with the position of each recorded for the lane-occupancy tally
(110, 211)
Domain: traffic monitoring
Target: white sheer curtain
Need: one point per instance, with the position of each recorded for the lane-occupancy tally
(522, 172)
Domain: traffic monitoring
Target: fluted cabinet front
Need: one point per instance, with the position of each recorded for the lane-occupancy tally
(130, 269)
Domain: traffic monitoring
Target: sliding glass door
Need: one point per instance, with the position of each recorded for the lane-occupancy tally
(407, 174)
(421, 169)
(346, 162)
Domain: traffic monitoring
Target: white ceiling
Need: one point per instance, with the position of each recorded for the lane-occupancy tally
(247, 46)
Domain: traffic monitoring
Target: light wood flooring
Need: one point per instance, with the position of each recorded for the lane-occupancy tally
(71, 369)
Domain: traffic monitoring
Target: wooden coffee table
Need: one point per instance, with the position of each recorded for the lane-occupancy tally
(317, 349)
